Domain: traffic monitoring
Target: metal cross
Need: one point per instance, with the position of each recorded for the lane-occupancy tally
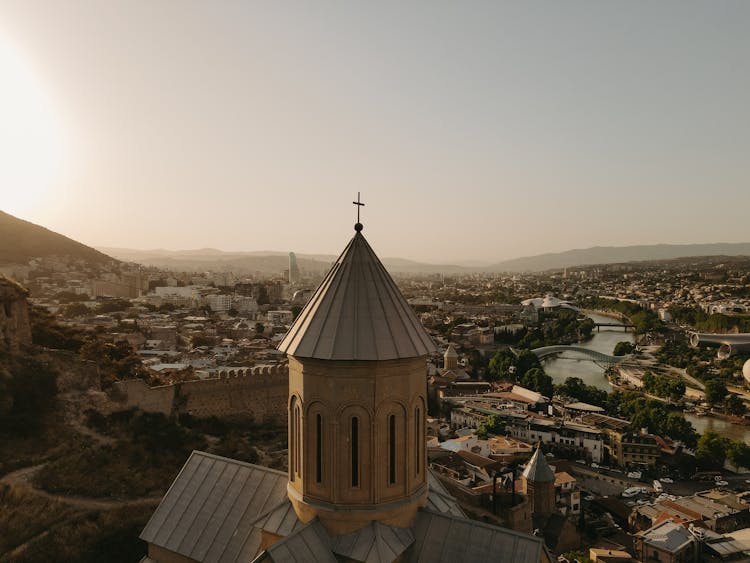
(358, 204)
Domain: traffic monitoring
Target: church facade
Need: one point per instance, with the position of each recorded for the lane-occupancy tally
(358, 487)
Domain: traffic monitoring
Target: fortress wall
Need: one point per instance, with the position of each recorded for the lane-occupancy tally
(262, 396)
(260, 392)
(135, 393)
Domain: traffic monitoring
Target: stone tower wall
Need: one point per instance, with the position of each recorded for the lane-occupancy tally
(372, 392)
(15, 326)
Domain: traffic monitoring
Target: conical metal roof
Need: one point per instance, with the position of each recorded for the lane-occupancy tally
(450, 352)
(357, 313)
(538, 470)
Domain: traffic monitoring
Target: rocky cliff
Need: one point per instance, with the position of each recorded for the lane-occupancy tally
(15, 326)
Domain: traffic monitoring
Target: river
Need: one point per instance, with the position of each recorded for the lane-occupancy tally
(578, 365)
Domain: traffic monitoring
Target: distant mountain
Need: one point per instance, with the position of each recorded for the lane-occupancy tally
(20, 241)
(617, 254)
(265, 262)
(274, 262)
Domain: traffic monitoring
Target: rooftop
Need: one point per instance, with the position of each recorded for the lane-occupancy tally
(357, 313)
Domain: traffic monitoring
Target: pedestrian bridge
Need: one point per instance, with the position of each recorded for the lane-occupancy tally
(593, 354)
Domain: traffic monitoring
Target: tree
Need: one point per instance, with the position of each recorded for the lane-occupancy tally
(493, 425)
(677, 428)
(623, 348)
(575, 388)
(738, 454)
(712, 449)
(715, 391)
(500, 365)
(525, 361)
(734, 405)
(538, 381)
(112, 305)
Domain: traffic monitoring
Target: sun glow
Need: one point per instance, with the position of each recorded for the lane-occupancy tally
(31, 136)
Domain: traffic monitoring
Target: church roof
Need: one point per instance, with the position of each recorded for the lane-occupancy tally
(208, 514)
(218, 508)
(309, 543)
(538, 470)
(375, 543)
(441, 538)
(357, 313)
(450, 352)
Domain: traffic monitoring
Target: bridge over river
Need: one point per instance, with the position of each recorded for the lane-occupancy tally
(598, 357)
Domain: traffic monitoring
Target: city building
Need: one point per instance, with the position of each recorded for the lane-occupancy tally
(666, 542)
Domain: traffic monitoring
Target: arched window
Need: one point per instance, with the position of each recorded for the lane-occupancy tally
(355, 451)
(392, 449)
(293, 438)
(418, 437)
(318, 448)
(297, 441)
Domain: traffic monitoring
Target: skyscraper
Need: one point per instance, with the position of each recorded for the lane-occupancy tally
(294, 274)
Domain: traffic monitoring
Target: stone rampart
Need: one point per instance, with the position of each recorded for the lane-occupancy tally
(260, 392)
(136, 394)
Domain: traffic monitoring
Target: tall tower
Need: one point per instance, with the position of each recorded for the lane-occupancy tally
(538, 483)
(357, 399)
(294, 274)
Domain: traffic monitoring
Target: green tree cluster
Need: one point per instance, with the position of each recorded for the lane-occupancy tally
(623, 348)
(537, 380)
(696, 361)
(713, 450)
(116, 361)
(663, 386)
(658, 417)
(715, 391)
(493, 425)
(734, 405)
(703, 322)
(575, 388)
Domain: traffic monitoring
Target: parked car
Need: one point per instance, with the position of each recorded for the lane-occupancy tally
(666, 480)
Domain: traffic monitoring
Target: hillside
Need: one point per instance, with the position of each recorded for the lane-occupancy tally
(20, 241)
(618, 254)
(265, 262)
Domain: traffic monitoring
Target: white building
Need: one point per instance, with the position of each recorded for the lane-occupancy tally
(219, 303)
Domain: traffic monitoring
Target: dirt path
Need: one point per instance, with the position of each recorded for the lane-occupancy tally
(23, 478)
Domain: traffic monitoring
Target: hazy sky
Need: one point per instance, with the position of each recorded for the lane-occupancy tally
(473, 130)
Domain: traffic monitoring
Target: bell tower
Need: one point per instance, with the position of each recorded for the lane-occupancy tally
(357, 399)
(538, 483)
